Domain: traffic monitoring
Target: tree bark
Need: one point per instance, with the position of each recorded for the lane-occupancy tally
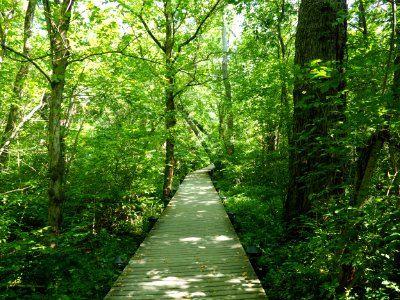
(285, 109)
(227, 129)
(3, 42)
(3, 33)
(395, 103)
(316, 171)
(58, 16)
(362, 20)
(170, 111)
(366, 163)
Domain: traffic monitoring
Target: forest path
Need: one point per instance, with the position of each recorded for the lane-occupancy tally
(191, 252)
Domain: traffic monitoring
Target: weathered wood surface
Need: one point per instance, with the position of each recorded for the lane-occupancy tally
(192, 252)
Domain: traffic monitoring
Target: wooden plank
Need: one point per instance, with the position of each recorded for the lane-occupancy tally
(191, 252)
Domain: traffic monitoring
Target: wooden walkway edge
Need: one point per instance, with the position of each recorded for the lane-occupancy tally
(192, 252)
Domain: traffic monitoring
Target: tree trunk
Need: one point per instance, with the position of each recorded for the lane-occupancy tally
(170, 75)
(366, 163)
(3, 42)
(316, 171)
(170, 111)
(284, 111)
(19, 80)
(362, 20)
(170, 122)
(57, 27)
(227, 129)
(56, 158)
(3, 34)
(198, 130)
(395, 103)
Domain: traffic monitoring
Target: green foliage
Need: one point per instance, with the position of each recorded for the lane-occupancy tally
(76, 265)
(113, 125)
(310, 268)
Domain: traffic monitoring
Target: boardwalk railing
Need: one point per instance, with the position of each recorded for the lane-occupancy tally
(191, 252)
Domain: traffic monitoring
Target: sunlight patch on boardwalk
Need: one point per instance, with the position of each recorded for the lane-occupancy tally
(191, 253)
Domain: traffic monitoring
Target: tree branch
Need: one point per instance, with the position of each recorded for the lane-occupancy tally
(30, 60)
(199, 27)
(151, 33)
(20, 125)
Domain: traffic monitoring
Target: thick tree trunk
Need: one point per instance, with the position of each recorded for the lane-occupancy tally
(57, 27)
(314, 169)
(56, 159)
(19, 80)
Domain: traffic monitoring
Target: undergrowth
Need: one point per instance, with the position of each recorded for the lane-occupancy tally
(308, 265)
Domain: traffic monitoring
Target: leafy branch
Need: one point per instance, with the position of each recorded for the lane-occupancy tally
(208, 15)
(29, 60)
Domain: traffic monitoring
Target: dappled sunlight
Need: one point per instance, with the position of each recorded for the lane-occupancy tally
(168, 281)
(196, 286)
(180, 295)
(222, 238)
(191, 252)
(190, 239)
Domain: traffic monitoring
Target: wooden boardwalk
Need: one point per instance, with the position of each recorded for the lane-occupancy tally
(192, 252)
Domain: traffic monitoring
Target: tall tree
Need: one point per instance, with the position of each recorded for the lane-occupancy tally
(175, 39)
(58, 17)
(226, 114)
(283, 12)
(315, 166)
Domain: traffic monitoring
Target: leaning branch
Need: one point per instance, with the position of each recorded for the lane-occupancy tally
(151, 33)
(83, 58)
(30, 60)
(211, 11)
(13, 135)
